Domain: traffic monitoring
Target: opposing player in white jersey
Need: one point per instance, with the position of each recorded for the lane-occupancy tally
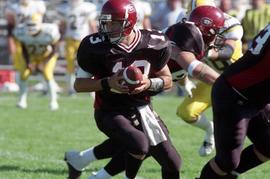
(144, 11)
(191, 110)
(78, 19)
(16, 15)
(38, 42)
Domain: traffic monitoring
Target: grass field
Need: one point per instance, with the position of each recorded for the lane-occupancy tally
(33, 141)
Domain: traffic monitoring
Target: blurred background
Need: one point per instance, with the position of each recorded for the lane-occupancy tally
(156, 14)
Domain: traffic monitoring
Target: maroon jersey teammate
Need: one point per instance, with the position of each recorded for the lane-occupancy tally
(240, 98)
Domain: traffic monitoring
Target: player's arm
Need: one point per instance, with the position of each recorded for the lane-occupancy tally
(25, 53)
(26, 57)
(147, 13)
(165, 75)
(93, 25)
(52, 52)
(162, 80)
(224, 53)
(231, 36)
(85, 82)
(62, 28)
(92, 19)
(194, 67)
(10, 17)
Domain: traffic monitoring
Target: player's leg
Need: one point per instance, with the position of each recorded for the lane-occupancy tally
(49, 77)
(78, 160)
(259, 152)
(24, 74)
(119, 126)
(115, 166)
(231, 116)
(167, 156)
(191, 111)
(71, 47)
(17, 60)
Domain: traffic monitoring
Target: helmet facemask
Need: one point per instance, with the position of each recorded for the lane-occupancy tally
(34, 24)
(114, 30)
(219, 41)
(117, 19)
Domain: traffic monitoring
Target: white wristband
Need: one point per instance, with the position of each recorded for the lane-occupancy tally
(192, 66)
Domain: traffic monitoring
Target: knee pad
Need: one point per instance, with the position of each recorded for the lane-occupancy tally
(186, 114)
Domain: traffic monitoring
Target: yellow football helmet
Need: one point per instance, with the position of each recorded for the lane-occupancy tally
(196, 3)
(34, 23)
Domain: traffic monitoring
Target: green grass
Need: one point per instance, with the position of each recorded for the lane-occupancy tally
(33, 141)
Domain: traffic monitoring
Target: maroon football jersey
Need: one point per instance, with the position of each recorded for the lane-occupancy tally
(150, 51)
(188, 38)
(250, 75)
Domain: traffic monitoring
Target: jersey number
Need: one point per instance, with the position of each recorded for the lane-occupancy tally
(142, 64)
(76, 22)
(260, 41)
(73, 24)
(36, 49)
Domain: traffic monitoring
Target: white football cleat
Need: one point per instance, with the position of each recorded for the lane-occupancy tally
(206, 149)
(75, 159)
(73, 173)
(208, 144)
(54, 106)
(21, 105)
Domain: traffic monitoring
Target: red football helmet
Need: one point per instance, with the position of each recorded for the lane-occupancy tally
(117, 19)
(209, 20)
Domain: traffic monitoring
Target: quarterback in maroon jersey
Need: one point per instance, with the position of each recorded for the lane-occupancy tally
(184, 57)
(126, 117)
(240, 99)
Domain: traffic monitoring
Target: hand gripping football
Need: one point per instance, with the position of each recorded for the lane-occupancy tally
(132, 76)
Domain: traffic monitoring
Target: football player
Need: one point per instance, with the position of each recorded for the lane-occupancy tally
(16, 15)
(240, 101)
(144, 12)
(126, 117)
(229, 49)
(184, 57)
(38, 45)
(78, 20)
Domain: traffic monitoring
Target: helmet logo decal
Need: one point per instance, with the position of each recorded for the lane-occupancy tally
(206, 21)
(130, 8)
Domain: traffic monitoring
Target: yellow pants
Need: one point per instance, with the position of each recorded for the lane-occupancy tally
(17, 57)
(71, 48)
(47, 70)
(191, 108)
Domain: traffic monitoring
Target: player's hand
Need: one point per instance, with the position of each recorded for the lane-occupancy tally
(115, 82)
(187, 87)
(145, 84)
(40, 67)
(32, 67)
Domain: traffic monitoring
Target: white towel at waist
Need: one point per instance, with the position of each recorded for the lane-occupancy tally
(151, 126)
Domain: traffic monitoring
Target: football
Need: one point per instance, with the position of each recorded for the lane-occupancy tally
(132, 77)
